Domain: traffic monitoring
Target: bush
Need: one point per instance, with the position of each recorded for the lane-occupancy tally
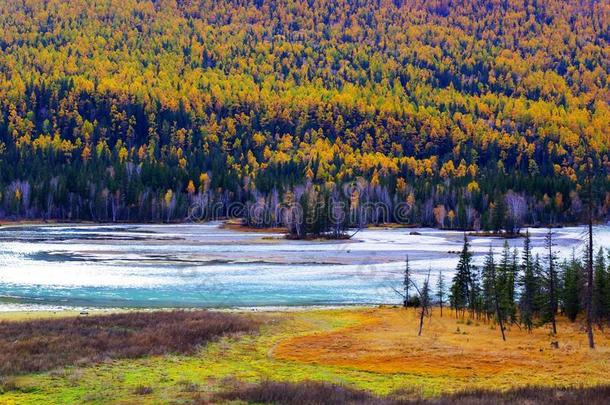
(304, 393)
(41, 345)
(143, 390)
(319, 393)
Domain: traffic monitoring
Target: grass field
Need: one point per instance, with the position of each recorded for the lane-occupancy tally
(374, 349)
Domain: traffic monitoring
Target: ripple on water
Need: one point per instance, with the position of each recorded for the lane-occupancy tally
(207, 266)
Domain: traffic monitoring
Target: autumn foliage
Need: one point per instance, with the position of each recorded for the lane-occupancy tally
(134, 110)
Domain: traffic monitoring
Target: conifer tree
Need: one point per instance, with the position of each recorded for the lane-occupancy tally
(506, 282)
(511, 292)
(539, 296)
(475, 292)
(441, 290)
(550, 285)
(528, 284)
(571, 292)
(490, 293)
(600, 287)
(461, 293)
(606, 292)
(488, 287)
(498, 218)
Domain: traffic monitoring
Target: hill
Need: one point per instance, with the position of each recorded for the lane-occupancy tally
(471, 114)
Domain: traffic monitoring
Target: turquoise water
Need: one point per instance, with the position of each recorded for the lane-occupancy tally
(204, 265)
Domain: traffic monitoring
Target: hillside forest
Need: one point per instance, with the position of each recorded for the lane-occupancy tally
(485, 115)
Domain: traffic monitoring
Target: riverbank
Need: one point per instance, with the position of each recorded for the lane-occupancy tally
(372, 349)
(238, 224)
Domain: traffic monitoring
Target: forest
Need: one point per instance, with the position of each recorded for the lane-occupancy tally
(484, 115)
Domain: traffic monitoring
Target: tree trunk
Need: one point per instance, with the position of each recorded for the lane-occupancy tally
(497, 301)
(590, 265)
(552, 281)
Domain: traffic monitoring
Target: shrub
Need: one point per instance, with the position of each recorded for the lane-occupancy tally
(41, 345)
(319, 393)
(143, 390)
(304, 393)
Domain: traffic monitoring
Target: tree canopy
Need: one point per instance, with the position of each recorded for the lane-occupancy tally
(472, 115)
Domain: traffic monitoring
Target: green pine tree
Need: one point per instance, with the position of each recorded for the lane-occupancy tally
(550, 287)
(488, 281)
(441, 290)
(461, 294)
(506, 282)
(528, 284)
(600, 278)
(572, 272)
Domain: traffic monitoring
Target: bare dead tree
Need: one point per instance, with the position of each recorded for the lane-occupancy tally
(423, 293)
(552, 281)
(424, 299)
(406, 282)
(517, 208)
(589, 298)
(589, 293)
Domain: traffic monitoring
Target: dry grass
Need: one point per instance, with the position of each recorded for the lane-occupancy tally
(317, 393)
(526, 395)
(39, 345)
(239, 225)
(471, 355)
(143, 390)
(303, 393)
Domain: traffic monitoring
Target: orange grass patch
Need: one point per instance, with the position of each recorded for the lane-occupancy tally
(385, 341)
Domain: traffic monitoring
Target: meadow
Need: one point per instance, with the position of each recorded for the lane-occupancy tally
(369, 354)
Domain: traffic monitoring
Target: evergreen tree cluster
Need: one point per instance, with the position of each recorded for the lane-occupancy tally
(529, 291)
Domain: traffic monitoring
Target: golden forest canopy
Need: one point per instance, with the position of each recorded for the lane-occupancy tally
(118, 102)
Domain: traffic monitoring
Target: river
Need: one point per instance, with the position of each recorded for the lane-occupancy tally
(204, 265)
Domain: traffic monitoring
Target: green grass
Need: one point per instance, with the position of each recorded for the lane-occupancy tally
(248, 358)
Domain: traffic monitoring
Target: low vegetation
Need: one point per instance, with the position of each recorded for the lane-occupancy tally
(306, 392)
(451, 355)
(45, 344)
(316, 393)
(376, 350)
(528, 395)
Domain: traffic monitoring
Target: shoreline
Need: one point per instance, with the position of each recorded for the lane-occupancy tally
(236, 224)
(22, 309)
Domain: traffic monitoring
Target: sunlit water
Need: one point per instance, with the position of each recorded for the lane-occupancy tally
(204, 265)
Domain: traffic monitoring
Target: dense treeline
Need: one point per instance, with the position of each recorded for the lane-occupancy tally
(475, 115)
(521, 288)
